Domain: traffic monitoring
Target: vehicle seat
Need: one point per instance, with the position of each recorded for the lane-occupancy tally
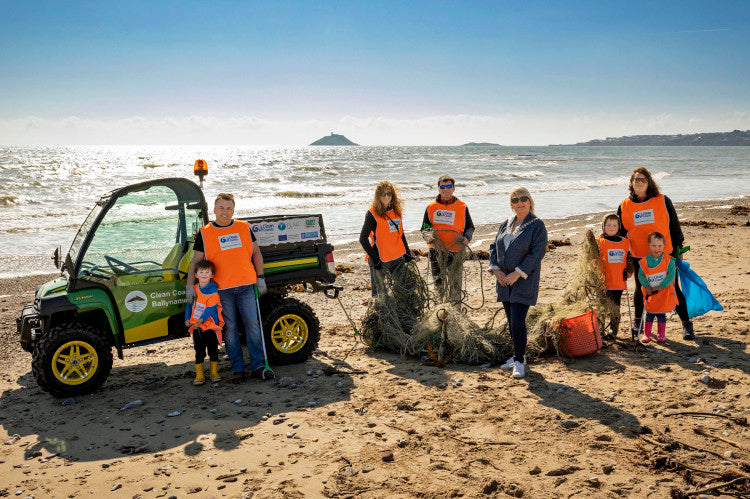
(172, 262)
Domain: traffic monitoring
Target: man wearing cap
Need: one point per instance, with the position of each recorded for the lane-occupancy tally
(448, 228)
(230, 245)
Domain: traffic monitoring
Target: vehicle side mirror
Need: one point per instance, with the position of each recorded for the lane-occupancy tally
(56, 257)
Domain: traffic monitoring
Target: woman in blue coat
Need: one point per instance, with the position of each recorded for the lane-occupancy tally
(516, 261)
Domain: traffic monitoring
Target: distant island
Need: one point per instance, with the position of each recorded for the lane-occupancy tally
(735, 138)
(333, 140)
(480, 144)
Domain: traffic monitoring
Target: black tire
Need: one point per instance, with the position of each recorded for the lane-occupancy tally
(62, 376)
(290, 329)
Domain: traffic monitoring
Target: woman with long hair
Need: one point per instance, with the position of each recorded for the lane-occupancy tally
(644, 211)
(382, 235)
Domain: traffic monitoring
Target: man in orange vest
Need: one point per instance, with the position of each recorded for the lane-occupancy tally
(452, 228)
(230, 244)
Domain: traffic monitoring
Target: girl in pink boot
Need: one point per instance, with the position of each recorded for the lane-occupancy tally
(656, 275)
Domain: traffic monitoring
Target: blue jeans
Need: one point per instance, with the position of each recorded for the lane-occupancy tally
(659, 317)
(242, 299)
(516, 314)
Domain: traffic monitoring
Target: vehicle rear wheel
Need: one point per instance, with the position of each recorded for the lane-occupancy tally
(73, 359)
(291, 330)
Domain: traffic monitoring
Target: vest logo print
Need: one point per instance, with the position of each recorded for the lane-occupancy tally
(394, 224)
(656, 279)
(198, 310)
(644, 217)
(446, 217)
(229, 241)
(616, 256)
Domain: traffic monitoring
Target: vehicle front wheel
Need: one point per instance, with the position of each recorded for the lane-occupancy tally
(73, 359)
(291, 331)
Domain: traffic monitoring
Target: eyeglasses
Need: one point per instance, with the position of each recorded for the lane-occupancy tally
(640, 180)
(446, 186)
(520, 198)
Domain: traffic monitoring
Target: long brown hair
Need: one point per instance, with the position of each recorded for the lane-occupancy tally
(378, 206)
(652, 189)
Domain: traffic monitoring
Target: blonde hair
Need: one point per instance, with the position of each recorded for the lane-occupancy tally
(522, 191)
(377, 204)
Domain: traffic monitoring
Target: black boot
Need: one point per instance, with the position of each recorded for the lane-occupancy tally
(687, 330)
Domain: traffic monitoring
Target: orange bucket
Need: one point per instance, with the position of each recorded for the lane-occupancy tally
(580, 335)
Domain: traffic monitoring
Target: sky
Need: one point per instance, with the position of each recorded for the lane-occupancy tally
(381, 73)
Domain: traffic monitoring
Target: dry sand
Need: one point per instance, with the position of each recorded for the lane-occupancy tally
(569, 428)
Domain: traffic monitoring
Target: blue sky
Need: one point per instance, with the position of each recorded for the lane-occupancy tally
(380, 72)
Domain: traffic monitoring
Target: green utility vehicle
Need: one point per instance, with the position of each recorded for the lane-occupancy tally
(123, 280)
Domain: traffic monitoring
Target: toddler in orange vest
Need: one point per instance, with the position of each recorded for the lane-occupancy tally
(613, 260)
(204, 321)
(656, 275)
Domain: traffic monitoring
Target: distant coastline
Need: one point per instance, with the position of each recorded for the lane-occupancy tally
(734, 138)
(333, 140)
(480, 144)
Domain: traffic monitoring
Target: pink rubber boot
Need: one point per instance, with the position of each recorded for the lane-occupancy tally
(646, 332)
(661, 330)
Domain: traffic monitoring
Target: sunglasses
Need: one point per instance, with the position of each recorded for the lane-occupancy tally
(640, 180)
(447, 186)
(387, 194)
(521, 198)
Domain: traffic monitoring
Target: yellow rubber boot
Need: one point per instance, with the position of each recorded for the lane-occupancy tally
(200, 378)
(214, 374)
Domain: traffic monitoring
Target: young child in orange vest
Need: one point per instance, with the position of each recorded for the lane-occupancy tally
(613, 259)
(656, 275)
(204, 321)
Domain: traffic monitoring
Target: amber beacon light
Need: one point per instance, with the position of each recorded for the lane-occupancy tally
(200, 169)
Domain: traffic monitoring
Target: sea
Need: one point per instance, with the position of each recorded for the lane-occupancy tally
(47, 191)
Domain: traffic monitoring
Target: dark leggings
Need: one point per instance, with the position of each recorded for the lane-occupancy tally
(681, 308)
(205, 341)
(516, 314)
(616, 296)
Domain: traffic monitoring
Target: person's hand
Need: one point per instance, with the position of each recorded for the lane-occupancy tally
(261, 284)
(408, 257)
(198, 322)
(187, 323)
(511, 278)
(377, 265)
(190, 294)
(499, 276)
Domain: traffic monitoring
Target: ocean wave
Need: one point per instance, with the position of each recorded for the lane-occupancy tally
(150, 165)
(8, 200)
(300, 194)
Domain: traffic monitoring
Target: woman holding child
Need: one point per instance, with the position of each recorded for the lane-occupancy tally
(643, 212)
(516, 261)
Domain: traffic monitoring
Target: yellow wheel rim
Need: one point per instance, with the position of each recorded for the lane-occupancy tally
(289, 333)
(75, 362)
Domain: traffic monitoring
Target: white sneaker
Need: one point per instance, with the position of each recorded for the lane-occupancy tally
(518, 370)
(508, 365)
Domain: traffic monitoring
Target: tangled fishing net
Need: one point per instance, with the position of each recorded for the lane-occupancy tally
(408, 318)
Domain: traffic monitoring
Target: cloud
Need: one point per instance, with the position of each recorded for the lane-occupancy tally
(438, 129)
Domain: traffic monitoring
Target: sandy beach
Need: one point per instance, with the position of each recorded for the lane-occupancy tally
(609, 425)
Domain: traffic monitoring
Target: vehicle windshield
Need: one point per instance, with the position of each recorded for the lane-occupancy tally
(144, 233)
(75, 248)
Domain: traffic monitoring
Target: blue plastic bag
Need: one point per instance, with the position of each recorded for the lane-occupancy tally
(698, 298)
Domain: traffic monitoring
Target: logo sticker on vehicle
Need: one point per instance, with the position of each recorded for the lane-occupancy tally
(136, 301)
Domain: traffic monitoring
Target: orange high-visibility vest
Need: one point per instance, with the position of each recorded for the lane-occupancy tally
(230, 248)
(613, 259)
(448, 222)
(387, 236)
(666, 299)
(641, 219)
(201, 303)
